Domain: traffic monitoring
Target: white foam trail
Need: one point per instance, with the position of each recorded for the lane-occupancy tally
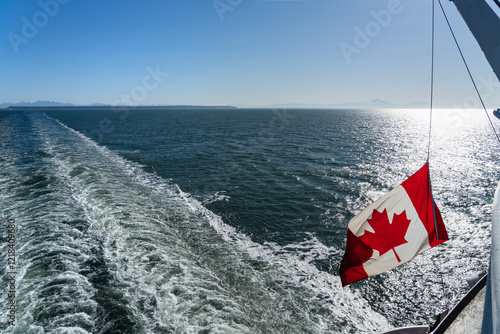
(50, 291)
(174, 264)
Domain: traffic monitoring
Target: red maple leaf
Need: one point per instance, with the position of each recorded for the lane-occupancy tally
(387, 236)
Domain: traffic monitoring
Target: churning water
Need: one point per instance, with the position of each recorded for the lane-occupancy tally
(228, 221)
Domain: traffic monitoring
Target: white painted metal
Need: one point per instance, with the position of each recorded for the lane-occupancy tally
(485, 26)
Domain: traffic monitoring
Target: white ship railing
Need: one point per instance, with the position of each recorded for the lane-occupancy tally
(492, 300)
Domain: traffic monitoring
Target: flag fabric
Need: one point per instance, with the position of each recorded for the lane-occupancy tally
(392, 230)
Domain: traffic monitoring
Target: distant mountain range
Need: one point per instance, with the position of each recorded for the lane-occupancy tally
(42, 104)
(53, 104)
(374, 104)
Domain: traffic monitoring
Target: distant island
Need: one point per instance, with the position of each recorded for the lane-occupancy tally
(373, 104)
(35, 104)
(52, 105)
(106, 107)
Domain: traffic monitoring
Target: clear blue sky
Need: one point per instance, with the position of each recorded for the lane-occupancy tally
(237, 52)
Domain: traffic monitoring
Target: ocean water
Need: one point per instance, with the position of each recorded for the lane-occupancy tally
(228, 221)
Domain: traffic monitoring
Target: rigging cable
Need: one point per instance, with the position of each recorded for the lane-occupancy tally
(497, 2)
(432, 85)
(440, 268)
(468, 70)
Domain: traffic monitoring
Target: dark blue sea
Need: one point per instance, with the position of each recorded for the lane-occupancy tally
(228, 220)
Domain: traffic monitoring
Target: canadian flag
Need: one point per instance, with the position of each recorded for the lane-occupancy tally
(393, 230)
